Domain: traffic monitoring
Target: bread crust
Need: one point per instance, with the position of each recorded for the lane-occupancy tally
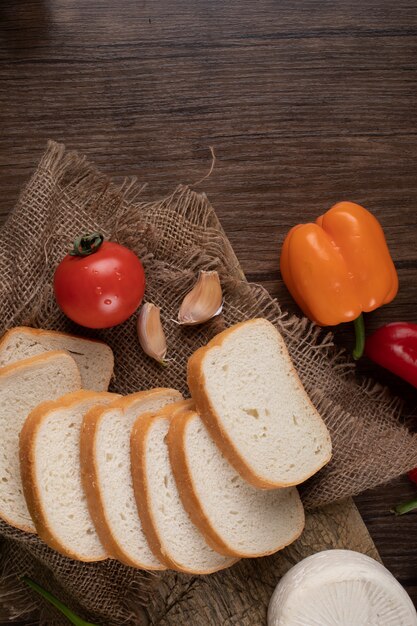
(23, 364)
(28, 464)
(90, 476)
(55, 333)
(185, 483)
(189, 497)
(35, 360)
(138, 441)
(211, 419)
(138, 444)
(42, 331)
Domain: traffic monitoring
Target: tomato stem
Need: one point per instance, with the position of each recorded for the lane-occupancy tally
(359, 325)
(87, 244)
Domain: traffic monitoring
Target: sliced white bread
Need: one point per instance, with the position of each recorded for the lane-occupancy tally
(236, 518)
(248, 393)
(94, 358)
(107, 478)
(51, 474)
(24, 385)
(171, 535)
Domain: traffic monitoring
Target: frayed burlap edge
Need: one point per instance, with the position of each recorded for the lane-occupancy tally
(175, 237)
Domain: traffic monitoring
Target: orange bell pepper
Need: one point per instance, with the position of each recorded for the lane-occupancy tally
(339, 267)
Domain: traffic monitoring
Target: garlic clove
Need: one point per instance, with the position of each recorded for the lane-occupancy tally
(204, 301)
(150, 332)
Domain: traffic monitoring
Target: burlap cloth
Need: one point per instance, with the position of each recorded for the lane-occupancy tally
(174, 237)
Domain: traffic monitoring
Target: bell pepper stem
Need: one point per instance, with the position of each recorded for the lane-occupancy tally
(405, 507)
(359, 325)
(74, 619)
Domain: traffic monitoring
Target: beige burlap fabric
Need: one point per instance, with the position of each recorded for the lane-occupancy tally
(175, 238)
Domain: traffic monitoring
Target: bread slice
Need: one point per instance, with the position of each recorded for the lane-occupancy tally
(236, 518)
(171, 535)
(51, 474)
(94, 358)
(248, 393)
(23, 385)
(107, 479)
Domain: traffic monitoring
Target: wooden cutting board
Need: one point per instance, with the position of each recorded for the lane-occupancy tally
(240, 596)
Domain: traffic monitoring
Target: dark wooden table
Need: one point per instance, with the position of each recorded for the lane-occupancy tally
(305, 103)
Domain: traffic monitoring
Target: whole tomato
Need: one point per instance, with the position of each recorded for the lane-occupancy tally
(99, 283)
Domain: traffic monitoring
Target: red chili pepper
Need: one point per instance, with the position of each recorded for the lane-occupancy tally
(394, 346)
(411, 505)
(412, 475)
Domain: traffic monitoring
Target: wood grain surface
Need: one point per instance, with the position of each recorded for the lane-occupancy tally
(304, 104)
(246, 588)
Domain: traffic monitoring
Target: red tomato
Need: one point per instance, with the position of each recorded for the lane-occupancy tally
(102, 289)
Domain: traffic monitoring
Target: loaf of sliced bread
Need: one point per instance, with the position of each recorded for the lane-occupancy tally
(94, 358)
(171, 535)
(248, 393)
(51, 474)
(236, 518)
(107, 478)
(24, 385)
